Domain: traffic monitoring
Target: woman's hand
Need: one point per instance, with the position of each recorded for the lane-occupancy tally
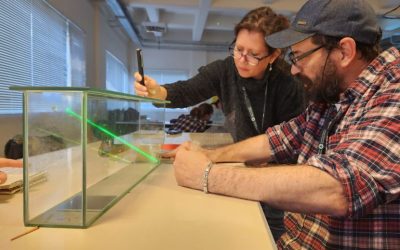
(151, 89)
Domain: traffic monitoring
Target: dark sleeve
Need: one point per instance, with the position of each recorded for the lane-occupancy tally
(199, 88)
(292, 101)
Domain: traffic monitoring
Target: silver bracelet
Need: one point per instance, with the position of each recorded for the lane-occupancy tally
(205, 177)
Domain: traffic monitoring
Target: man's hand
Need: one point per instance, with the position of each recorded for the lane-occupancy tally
(189, 166)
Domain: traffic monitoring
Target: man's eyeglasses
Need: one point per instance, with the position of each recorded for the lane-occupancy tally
(251, 60)
(294, 59)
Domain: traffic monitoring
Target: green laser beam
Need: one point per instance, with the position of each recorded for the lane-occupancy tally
(91, 148)
(114, 136)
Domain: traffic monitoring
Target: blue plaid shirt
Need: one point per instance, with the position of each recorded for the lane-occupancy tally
(188, 123)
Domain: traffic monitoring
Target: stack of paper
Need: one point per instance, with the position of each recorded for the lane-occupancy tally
(15, 181)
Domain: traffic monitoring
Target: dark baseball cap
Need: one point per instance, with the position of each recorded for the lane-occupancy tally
(337, 18)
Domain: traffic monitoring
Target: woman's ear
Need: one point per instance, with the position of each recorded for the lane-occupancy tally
(348, 51)
(274, 55)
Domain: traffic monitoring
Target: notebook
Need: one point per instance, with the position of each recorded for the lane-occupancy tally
(14, 182)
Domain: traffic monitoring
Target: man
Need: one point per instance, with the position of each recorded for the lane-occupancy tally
(344, 191)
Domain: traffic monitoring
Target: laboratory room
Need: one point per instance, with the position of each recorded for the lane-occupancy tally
(200, 124)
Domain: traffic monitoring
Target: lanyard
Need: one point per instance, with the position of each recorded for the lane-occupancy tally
(250, 108)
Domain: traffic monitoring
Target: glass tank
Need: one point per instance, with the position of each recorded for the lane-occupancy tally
(84, 149)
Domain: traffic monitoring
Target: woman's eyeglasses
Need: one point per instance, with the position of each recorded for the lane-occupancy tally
(250, 59)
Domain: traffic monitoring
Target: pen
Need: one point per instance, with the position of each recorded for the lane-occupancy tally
(140, 64)
(25, 233)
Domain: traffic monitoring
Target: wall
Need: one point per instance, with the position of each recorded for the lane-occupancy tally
(186, 60)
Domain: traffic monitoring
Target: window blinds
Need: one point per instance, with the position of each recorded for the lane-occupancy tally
(117, 75)
(15, 52)
(35, 50)
(77, 61)
(49, 46)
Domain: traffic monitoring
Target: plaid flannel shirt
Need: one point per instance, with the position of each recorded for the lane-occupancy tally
(362, 152)
(188, 123)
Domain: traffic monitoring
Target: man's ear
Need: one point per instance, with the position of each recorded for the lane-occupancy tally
(348, 50)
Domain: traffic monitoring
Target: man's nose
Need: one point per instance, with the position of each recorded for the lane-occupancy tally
(294, 70)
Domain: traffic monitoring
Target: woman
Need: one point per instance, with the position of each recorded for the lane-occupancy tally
(254, 86)
(252, 83)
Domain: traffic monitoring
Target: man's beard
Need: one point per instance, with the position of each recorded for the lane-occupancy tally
(325, 88)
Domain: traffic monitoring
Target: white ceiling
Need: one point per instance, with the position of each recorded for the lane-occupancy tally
(208, 24)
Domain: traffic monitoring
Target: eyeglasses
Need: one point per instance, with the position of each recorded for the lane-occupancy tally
(251, 60)
(294, 59)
